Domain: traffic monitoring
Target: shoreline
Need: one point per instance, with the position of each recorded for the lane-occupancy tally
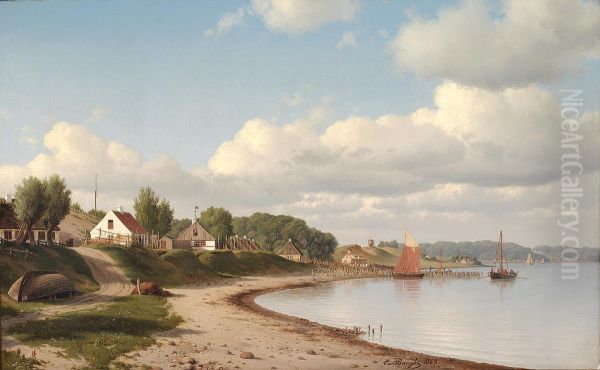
(245, 300)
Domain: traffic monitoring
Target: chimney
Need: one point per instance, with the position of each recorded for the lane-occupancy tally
(7, 198)
(119, 209)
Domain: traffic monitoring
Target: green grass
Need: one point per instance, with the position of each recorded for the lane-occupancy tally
(11, 360)
(248, 263)
(171, 269)
(62, 260)
(100, 336)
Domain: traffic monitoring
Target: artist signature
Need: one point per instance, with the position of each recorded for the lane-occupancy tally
(410, 364)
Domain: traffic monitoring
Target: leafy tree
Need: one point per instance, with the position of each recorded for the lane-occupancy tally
(164, 217)
(390, 244)
(218, 222)
(58, 198)
(272, 232)
(31, 199)
(76, 207)
(177, 226)
(146, 209)
(96, 214)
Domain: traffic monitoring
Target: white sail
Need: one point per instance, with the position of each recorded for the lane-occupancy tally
(409, 241)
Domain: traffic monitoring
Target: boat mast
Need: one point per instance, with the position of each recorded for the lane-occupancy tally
(501, 254)
(441, 258)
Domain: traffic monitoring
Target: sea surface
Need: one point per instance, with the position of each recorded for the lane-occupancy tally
(539, 320)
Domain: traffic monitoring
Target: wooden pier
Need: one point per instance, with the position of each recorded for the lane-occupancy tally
(453, 274)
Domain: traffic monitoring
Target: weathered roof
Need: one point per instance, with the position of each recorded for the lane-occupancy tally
(289, 250)
(201, 232)
(166, 237)
(130, 222)
(40, 284)
(357, 251)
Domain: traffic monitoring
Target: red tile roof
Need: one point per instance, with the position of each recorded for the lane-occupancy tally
(130, 222)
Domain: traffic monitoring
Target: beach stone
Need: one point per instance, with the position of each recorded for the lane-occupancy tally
(311, 352)
(171, 342)
(188, 360)
(301, 358)
(247, 355)
(187, 367)
(229, 353)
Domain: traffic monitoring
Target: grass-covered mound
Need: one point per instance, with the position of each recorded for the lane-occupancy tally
(248, 263)
(177, 267)
(63, 260)
(102, 335)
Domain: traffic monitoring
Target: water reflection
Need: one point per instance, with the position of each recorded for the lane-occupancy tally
(540, 321)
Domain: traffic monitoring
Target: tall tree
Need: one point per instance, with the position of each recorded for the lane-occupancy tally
(218, 222)
(146, 208)
(164, 217)
(30, 205)
(58, 198)
(177, 227)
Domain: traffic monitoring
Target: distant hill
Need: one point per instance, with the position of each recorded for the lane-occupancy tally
(485, 250)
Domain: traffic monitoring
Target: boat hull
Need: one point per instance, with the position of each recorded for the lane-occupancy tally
(408, 275)
(500, 276)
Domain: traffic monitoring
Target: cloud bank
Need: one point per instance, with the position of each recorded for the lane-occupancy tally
(477, 157)
(529, 42)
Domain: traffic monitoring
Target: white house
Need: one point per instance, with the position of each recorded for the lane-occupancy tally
(119, 227)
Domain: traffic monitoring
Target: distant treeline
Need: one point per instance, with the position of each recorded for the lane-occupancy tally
(485, 250)
(271, 232)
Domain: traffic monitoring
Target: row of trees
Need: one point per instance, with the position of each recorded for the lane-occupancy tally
(48, 200)
(270, 231)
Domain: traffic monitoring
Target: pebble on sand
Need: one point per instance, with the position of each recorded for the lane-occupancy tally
(247, 355)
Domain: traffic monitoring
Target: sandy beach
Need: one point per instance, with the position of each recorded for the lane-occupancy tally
(221, 321)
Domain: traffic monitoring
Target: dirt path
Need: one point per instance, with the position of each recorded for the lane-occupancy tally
(113, 283)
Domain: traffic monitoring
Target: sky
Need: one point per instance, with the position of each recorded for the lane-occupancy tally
(365, 118)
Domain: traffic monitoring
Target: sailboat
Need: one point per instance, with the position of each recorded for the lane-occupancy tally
(501, 273)
(530, 259)
(409, 262)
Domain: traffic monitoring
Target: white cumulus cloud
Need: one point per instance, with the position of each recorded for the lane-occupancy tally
(226, 22)
(295, 17)
(348, 39)
(531, 41)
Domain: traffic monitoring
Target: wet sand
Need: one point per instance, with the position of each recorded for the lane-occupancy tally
(221, 320)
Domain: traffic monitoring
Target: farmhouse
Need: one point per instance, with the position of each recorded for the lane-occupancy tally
(10, 226)
(194, 237)
(355, 256)
(290, 252)
(119, 227)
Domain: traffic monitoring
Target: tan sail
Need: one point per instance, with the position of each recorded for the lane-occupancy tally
(409, 262)
(530, 259)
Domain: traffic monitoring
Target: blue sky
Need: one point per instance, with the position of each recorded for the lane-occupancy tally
(149, 76)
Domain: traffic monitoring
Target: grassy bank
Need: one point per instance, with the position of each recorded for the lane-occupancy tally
(389, 256)
(173, 268)
(100, 336)
(62, 260)
(179, 267)
(12, 360)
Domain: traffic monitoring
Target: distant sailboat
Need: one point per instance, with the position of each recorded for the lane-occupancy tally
(530, 259)
(542, 261)
(409, 262)
(501, 273)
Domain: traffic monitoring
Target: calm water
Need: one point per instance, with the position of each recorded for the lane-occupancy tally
(538, 321)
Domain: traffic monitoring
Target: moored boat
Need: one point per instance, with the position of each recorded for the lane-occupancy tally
(502, 273)
(409, 262)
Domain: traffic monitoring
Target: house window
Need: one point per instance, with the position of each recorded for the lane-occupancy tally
(111, 225)
(8, 234)
(41, 235)
(195, 232)
(53, 235)
(199, 243)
